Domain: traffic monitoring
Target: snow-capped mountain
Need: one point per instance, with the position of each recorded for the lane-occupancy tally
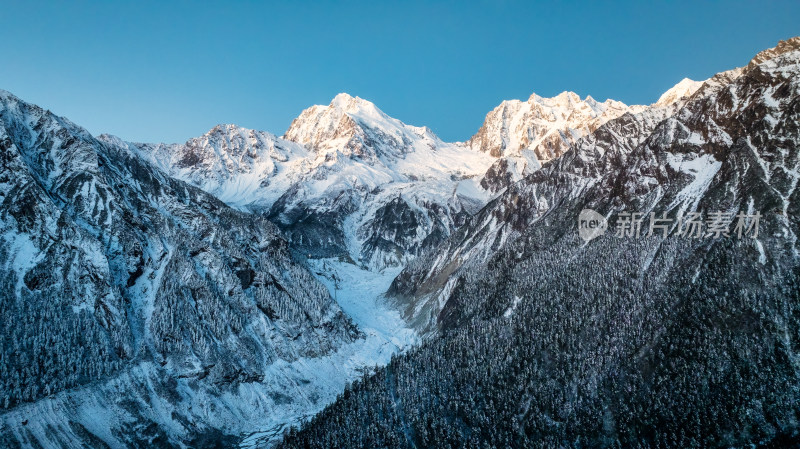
(139, 310)
(669, 338)
(544, 126)
(348, 181)
(345, 181)
(525, 135)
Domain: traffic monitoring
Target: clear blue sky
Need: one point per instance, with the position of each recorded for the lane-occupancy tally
(167, 71)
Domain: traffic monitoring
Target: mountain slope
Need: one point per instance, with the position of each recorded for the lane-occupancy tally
(241, 167)
(421, 290)
(128, 294)
(546, 340)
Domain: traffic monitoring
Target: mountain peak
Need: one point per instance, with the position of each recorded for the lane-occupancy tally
(568, 97)
(684, 89)
(786, 46)
(547, 126)
(355, 105)
(565, 97)
(225, 128)
(229, 130)
(343, 100)
(354, 126)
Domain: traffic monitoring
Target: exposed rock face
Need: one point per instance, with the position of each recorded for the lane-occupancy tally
(110, 269)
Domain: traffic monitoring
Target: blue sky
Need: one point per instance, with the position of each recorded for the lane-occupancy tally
(168, 71)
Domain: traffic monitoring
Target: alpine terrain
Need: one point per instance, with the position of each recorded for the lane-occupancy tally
(348, 181)
(685, 334)
(358, 282)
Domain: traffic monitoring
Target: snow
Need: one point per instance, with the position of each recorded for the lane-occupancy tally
(471, 188)
(702, 169)
(514, 126)
(22, 255)
(684, 89)
(512, 307)
(289, 393)
(762, 256)
(359, 293)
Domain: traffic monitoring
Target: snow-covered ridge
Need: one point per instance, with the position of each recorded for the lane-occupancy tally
(684, 89)
(545, 126)
(230, 162)
(783, 47)
(347, 180)
(691, 150)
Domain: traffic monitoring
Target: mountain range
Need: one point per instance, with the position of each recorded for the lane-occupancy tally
(219, 291)
(348, 181)
(632, 339)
